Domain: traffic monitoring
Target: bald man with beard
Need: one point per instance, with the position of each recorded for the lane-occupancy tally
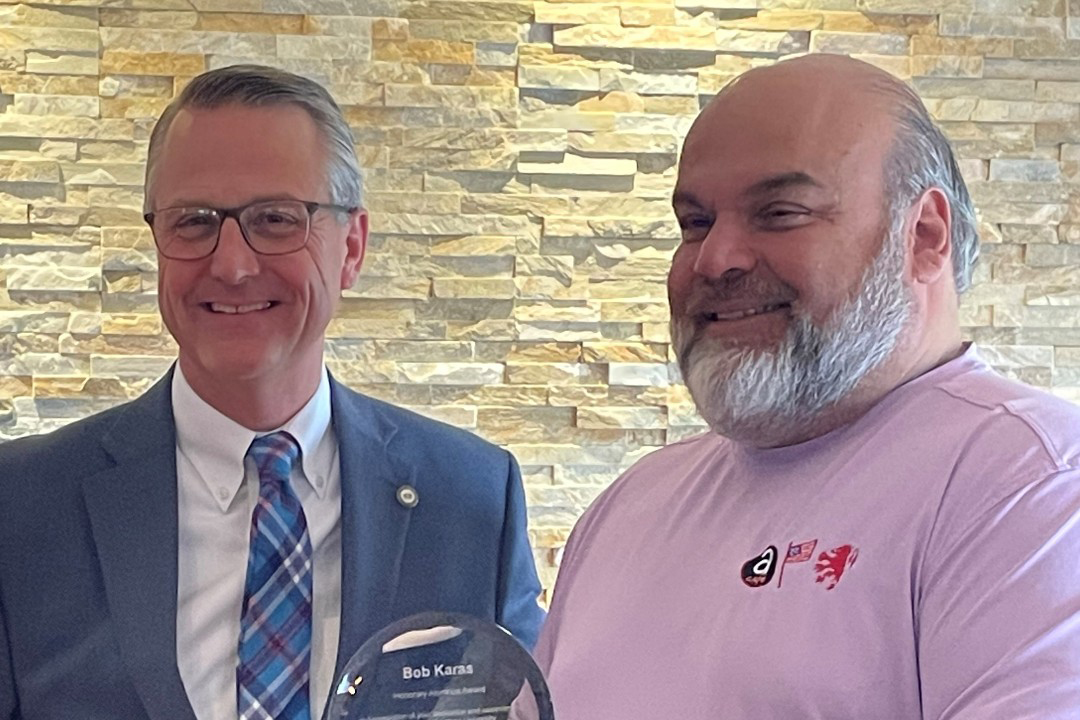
(877, 525)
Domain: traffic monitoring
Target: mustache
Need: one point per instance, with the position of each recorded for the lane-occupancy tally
(750, 289)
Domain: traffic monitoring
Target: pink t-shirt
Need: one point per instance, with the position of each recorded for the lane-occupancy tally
(920, 563)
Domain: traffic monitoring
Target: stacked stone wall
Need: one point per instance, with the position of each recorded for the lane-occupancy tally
(519, 160)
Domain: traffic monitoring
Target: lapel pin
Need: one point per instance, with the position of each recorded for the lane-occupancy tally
(407, 496)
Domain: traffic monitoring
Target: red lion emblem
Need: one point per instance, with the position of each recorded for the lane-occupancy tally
(830, 566)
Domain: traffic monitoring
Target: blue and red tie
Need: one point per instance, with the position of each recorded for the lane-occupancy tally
(273, 674)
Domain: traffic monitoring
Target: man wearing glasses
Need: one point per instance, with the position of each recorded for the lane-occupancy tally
(219, 547)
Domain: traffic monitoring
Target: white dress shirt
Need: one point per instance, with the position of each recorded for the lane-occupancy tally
(217, 491)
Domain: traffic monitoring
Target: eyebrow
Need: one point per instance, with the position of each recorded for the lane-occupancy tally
(772, 184)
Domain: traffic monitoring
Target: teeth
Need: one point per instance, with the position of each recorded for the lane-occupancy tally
(238, 309)
(713, 317)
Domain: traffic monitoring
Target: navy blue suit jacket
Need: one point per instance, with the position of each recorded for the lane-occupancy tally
(88, 550)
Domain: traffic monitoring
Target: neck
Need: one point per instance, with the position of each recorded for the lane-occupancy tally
(257, 403)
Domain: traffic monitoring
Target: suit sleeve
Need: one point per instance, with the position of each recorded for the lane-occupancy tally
(519, 587)
(9, 706)
(999, 615)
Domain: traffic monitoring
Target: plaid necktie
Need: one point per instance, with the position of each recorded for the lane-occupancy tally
(275, 626)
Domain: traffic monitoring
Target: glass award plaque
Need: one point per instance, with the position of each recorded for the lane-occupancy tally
(441, 665)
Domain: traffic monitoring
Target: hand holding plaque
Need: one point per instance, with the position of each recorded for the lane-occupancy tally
(441, 665)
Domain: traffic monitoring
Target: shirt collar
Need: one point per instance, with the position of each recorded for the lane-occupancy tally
(215, 444)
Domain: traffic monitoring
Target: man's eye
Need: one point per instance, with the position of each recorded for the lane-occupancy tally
(695, 226)
(783, 216)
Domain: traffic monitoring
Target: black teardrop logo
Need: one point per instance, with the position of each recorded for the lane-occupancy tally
(758, 570)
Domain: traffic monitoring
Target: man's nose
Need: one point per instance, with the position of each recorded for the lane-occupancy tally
(727, 251)
(233, 259)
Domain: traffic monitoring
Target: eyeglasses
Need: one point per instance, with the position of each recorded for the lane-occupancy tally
(269, 227)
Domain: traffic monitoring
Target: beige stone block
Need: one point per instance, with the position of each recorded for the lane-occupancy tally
(428, 203)
(151, 63)
(79, 279)
(544, 374)
(59, 63)
(1054, 91)
(49, 39)
(569, 120)
(15, 386)
(472, 75)
(426, 51)
(336, 48)
(609, 352)
(963, 46)
(633, 312)
(847, 43)
(129, 174)
(560, 13)
(571, 164)
(556, 76)
(760, 41)
(164, 19)
(29, 171)
(533, 205)
(473, 288)
(544, 54)
(517, 11)
(436, 160)
(389, 28)
(671, 105)
(649, 83)
(558, 311)
(1009, 111)
(616, 102)
(236, 44)
(610, 227)
(661, 38)
(13, 211)
(473, 245)
(625, 142)
(451, 224)
(133, 108)
(131, 324)
(55, 105)
(646, 15)
(275, 24)
(993, 25)
(976, 87)
(49, 17)
(621, 417)
(477, 97)
(947, 66)
(485, 34)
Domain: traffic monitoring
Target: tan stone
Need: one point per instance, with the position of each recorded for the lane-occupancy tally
(420, 96)
(57, 63)
(965, 46)
(151, 63)
(646, 15)
(172, 20)
(556, 76)
(49, 17)
(610, 36)
(423, 51)
(946, 66)
(558, 13)
(473, 288)
(50, 38)
(255, 22)
(571, 164)
(29, 171)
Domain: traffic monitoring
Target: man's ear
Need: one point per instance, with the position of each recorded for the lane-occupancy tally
(355, 247)
(929, 237)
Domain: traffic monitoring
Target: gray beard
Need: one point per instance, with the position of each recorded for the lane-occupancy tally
(747, 393)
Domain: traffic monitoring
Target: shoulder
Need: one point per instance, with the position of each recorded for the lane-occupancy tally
(1003, 419)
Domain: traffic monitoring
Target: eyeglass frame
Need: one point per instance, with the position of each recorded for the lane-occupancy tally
(234, 212)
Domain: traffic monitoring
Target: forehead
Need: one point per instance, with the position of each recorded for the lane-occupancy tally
(233, 154)
(775, 127)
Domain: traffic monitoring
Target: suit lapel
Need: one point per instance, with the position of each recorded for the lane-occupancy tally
(373, 523)
(132, 508)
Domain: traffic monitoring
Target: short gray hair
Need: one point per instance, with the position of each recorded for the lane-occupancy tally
(263, 86)
(921, 158)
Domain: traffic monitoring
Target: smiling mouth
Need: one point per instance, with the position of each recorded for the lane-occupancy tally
(740, 314)
(226, 309)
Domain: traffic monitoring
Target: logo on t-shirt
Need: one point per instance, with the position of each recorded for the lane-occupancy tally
(758, 570)
(832, 565)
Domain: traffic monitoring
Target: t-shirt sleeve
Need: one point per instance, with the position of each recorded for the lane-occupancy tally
(998, 609)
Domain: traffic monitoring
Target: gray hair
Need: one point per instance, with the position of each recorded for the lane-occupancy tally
(262, 86)
(921, 158)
